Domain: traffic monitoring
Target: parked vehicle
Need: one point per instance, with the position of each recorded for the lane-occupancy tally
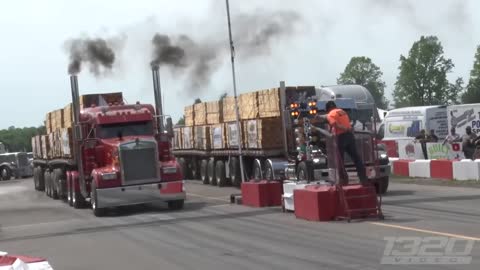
(102, 151)
(15, 165)
(207, 146)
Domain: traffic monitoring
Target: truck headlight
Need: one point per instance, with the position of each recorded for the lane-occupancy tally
(383, 156)
(320, 160)
(109, 176)
(169, 170)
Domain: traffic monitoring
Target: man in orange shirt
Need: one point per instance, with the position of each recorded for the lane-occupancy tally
(340, 123)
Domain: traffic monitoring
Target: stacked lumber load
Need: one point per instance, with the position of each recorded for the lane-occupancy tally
(200, 114)
(187, 138)
(189, 115)
(269, 103)
(263, 133)
(214, 112)
(248, 105)
(217, 136)
(177, 138)
(228, 109)
(202, 137)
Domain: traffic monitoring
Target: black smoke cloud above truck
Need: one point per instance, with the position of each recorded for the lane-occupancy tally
(254, 35)
(98, 54)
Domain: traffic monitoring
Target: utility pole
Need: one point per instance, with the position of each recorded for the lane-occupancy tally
(239, 128)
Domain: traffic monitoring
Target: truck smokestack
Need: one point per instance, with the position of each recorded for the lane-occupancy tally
(158, 96)
(77, 130)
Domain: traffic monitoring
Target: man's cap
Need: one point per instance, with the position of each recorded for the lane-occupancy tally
(330, 105)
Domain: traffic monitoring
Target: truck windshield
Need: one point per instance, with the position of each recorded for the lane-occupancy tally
(125, 129)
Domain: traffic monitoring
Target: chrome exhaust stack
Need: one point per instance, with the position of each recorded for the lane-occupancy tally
(77, 132)
(158, 97)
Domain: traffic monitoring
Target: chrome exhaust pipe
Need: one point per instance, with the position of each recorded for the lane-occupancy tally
(77, 132)
(158, 97)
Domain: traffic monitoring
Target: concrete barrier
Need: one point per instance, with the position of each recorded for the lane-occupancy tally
(419, 168)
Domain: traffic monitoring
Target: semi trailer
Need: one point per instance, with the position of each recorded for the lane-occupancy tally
(103, 152)
(275, 142)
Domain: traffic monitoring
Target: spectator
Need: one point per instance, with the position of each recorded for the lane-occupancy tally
(432, 137)
(452, 137)
(468, 143)
(422, 138)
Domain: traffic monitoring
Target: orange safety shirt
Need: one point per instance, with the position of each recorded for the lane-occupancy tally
(338, 117)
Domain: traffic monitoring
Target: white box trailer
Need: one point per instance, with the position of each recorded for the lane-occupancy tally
(462, 116)
(408, 122)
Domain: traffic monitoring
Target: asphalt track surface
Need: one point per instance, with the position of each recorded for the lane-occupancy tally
(210, 233)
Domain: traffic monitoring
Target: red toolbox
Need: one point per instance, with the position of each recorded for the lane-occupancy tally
(316, 203)
(442, 169)
(262, 194)
(358, 198)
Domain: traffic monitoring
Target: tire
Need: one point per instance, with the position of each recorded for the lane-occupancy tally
(54, 185)
(268, 175)
(257, 171)
(59, 184)
(302, 171)
(98, 212)
(78, 201)
(176, 205)
(41, 179)
(211, 172)
(6, 173)
(35, 178)
(381, 185)
(195, 169)
(220, 174)
(235, 174)
(46, 176)
(204, 172)
(69, 192)
(183, 167)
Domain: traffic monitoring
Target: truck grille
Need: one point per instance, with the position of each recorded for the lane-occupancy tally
(139, 162)
(22, 160)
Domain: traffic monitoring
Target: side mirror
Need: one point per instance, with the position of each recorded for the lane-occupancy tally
(169, 127)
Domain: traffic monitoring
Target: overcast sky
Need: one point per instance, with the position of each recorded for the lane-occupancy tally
(33, 70)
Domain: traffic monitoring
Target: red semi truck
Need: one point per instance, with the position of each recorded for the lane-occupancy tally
(121, 155)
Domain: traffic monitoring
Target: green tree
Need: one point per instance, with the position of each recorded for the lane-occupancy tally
(181, 121)
(361, 70)
(222, 96)
(197, 100)
(472, 95)
(423, 76)
(19, 139)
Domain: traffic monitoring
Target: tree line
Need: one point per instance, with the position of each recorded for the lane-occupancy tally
(422, 78)
(20, 139)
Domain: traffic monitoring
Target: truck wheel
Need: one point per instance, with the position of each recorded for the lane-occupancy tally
(98, 212)
(183, 167)
(195, 169)
(211, 172)
(220, 173)
(35, 178)
(235, 175)
(6, 173)
(46, 176)
(78, 201)
(41, 179)
(59, 183)
(54, 185)
(176, 205)
(204, 171)
(302, 171)
(381, 185)
(70, 192)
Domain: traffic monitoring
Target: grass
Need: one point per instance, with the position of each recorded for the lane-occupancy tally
(434, 182)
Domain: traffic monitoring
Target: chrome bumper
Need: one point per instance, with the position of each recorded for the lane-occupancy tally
(373, 172)
(137, 194)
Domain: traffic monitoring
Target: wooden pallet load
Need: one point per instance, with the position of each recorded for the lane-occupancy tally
(48, 122)
(68, 116)
(189, 115)
(187, 138)
(232, 136)
(217, 136)
(177, 138)
(269, 103)
(264, 133)
(202, 137)
(214, 112)
(45, 146)
(200, 114)
(248, 105)
(228, 109)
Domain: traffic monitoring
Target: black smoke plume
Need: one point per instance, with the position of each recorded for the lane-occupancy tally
(97, 53)
(254, 36)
